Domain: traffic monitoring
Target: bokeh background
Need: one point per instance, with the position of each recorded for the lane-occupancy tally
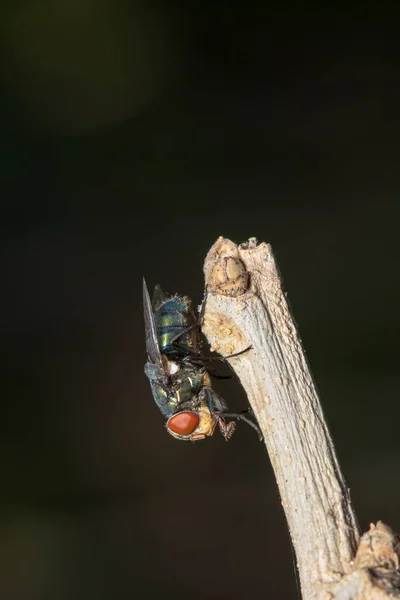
(133, 134)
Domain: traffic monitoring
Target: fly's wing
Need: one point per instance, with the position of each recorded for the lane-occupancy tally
(158, 297)
(152, 347)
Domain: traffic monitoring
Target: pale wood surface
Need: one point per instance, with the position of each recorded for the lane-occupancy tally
(246, 306)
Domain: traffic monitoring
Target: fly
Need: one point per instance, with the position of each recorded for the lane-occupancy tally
(179, 381)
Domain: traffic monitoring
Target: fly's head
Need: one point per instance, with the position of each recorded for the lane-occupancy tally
(197, 421)
(192, 425)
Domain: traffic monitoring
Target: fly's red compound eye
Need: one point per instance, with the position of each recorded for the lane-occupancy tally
(184, 423)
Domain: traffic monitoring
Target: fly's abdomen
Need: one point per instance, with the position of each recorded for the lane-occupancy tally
(172, 319)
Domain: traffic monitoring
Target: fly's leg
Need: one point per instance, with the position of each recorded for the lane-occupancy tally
(206, 358)
(216, 407)
(198, 358)
(241, 417)
(227, 429)
(185, 332)
(214, 402)
(217, 375)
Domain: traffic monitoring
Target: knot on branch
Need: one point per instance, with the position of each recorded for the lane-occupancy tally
(379, 548)
(375, 574)
(224, 271)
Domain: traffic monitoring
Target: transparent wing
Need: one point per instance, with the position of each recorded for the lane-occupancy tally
(152, 346)
(158, 297)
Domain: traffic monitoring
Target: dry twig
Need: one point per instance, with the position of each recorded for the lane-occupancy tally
(247, 306)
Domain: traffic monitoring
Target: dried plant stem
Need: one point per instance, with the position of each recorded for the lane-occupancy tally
(247, 306)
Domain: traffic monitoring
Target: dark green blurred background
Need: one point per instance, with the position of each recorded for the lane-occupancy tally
(133, 134)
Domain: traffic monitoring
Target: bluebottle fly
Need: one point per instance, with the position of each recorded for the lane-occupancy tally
(179, 381)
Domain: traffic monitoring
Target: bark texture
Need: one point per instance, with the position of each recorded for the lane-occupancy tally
(246, 306)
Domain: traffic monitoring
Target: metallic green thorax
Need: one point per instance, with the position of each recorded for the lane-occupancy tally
(184, 387)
